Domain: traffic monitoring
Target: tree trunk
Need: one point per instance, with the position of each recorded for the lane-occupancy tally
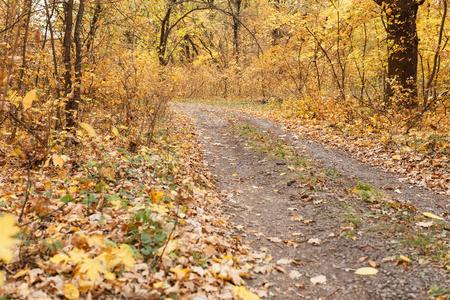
(67, 46)
(403, 44)
(74, 102)
(236, 11)
(164, 33)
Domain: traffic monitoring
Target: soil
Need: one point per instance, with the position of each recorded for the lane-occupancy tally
(310, 220)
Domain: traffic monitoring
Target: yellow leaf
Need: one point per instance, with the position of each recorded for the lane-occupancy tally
(2, 277)
(115, 131)
(158, 285)
(268, 258)
(181, 273)
(71, 292)
(57, 160)
(110, 276)
(89, 129)
(234, 174)
(28, 99)
(405, 259)
(432, 216)
(160, 209)
(21, 273)
(58, 258)
(92, 269)
(8, 229)
(243, 294)
(397, 157)
(366, 271)
(157, 196)
(124, 255)
(172, 245)
(77, 255)
(17, 152)
(47, 162)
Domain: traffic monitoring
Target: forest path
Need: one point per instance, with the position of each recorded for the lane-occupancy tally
(306, 207)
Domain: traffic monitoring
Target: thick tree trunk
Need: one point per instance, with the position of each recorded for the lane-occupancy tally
(403, 44)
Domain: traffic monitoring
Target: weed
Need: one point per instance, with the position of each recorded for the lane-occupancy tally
(367, 192)
(333, 173)
(435, 247)
(436, 291)
(350, 216)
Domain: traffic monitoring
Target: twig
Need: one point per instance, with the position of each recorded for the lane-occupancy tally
(158, 257)
(27, 128)
(27, 192)
(44, 216)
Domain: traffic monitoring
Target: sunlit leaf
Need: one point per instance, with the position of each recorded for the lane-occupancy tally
(366, 271)
(89, 129)
(28, 99)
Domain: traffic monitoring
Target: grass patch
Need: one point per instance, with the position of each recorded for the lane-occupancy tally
(262, 142)
(430, 244)
(366, 192)
(352, 217)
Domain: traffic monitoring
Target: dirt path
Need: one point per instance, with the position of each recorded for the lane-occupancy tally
(303, 205)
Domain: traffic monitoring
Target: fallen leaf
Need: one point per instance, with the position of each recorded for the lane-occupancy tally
(425, 224)
(432, 216)
(361, 259)
(397, 157)
(296, 234)
(71, 292)
(284, 261)
(57, 160)
(296, 218)
(404, 259)
(274, 239)
(8, 229)
(315, 242)
(268, 258)
(321, 279)
(373, 264)
(366, 271)
(282, 270)
(243, 294)
(89, 129)
(28, 99)
(295, 274)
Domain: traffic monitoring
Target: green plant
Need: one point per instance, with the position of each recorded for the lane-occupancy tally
(436, 291)
(367, 192)
(146, 233)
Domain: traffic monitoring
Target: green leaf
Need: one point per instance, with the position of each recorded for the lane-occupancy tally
(66, 199)
(146, 238)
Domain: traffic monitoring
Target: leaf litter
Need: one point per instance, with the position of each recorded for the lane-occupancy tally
(104, 220)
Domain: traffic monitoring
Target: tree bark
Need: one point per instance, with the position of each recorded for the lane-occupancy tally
(67, 47)
(73, 103)
(236, 11)
(403, 44)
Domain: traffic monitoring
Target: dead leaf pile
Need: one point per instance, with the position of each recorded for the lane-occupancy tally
(104, 219)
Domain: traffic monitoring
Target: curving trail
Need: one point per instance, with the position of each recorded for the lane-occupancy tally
(302, 205)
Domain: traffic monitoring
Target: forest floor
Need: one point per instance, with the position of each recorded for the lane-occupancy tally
(319, 214)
